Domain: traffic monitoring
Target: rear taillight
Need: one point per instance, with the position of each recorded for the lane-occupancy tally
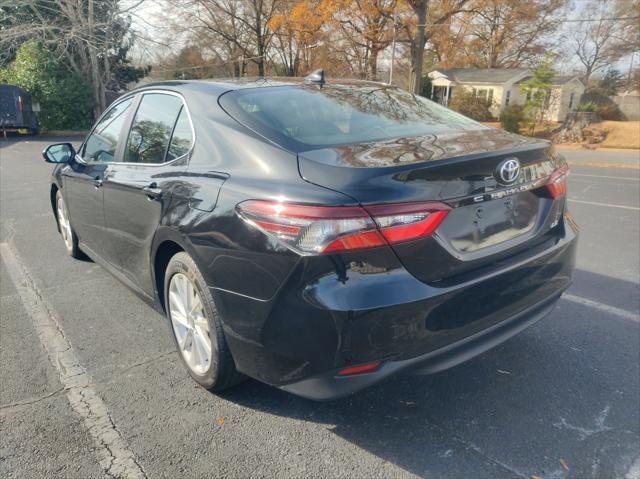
(325, 229)
(360, 369)
(20, 104)
(557, 184)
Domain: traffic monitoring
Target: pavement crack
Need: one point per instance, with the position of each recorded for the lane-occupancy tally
(584, 432)
(147, 361)
(36, 400)
(477, 450)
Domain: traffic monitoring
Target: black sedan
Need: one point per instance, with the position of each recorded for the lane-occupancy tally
(317, 236)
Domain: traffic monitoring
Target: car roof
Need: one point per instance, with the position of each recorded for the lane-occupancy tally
(223, 85)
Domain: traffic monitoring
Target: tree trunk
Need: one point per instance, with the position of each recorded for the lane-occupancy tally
(419, 40)
(373, 64)
(587, 76)
(260, 62)
(98, 93)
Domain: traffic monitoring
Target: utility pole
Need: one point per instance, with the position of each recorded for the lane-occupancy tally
(630, 70)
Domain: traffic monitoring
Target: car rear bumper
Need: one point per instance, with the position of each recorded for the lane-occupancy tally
(335, 313)
(331, 386)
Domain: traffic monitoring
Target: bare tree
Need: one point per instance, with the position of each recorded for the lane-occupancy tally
(298, 29)
(85, 34)
(240, 26)
(366, 27)
(510, 33)
(601, 42)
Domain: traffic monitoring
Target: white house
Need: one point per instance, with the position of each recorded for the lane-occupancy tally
(502, 87)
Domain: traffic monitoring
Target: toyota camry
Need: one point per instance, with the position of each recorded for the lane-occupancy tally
(317, 235)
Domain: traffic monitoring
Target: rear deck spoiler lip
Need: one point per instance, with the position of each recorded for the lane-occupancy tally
(316, 157)
(398, 183)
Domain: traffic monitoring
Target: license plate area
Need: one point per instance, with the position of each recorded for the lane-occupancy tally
(475, 227)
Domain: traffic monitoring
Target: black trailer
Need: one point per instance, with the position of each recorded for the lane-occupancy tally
(17, 111)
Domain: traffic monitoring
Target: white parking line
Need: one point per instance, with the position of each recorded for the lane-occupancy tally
(636, 180)
(608, 205)
(113, 453)
(622, 313)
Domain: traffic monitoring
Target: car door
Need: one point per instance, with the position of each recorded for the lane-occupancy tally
(82, 179)
(138, 190)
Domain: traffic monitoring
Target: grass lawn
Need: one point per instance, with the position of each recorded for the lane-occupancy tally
(620, 134)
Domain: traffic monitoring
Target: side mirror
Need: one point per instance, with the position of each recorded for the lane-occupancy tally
(59, 153)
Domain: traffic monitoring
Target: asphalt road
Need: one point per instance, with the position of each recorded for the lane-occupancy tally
(90, 385)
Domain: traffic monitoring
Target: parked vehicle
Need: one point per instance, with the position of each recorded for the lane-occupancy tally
(16, 110)
(316, 236)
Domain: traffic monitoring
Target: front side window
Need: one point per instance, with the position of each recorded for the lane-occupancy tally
(307, 117)
(101, 145)
(151, 128)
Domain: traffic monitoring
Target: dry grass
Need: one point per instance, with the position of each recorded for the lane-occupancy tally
(620, 134)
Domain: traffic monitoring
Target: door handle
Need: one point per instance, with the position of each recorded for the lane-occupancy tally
(97, 182)
(152, 191)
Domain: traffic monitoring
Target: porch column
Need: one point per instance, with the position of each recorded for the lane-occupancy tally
(446, 96)
(432, 88)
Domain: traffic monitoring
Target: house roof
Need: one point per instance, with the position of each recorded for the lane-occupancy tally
(482, 75)
(557, 80)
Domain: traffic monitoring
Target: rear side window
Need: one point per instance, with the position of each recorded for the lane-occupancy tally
(151, 128)
(307, 117)
(182, 137)
(103, 141)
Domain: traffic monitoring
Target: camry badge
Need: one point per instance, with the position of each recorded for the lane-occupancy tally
(508, 171)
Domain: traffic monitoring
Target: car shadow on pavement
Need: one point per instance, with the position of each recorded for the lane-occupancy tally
(559, 400)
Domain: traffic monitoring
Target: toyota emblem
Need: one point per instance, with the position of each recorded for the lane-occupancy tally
(508, 170)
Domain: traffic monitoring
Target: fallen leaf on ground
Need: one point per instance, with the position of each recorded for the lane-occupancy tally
(221, 421)
(564, 464)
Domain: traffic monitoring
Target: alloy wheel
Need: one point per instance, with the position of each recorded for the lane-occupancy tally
(65, 225)
(190, 325)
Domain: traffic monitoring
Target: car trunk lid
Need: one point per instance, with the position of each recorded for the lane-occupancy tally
(490, 218)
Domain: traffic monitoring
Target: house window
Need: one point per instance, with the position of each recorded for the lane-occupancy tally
(508, 97)
(571, 100)
(485, 94)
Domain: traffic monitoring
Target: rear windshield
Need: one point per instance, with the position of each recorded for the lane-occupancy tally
(308, 117)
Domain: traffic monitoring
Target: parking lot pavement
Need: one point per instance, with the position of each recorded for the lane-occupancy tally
(561, 400)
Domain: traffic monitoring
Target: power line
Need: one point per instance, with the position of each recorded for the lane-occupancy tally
(559, 20)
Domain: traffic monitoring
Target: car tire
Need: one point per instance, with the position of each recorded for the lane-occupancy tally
(66, 230)
(185, 289)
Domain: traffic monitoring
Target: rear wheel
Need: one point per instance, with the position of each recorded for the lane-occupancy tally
(64, 225)
(196, 326)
